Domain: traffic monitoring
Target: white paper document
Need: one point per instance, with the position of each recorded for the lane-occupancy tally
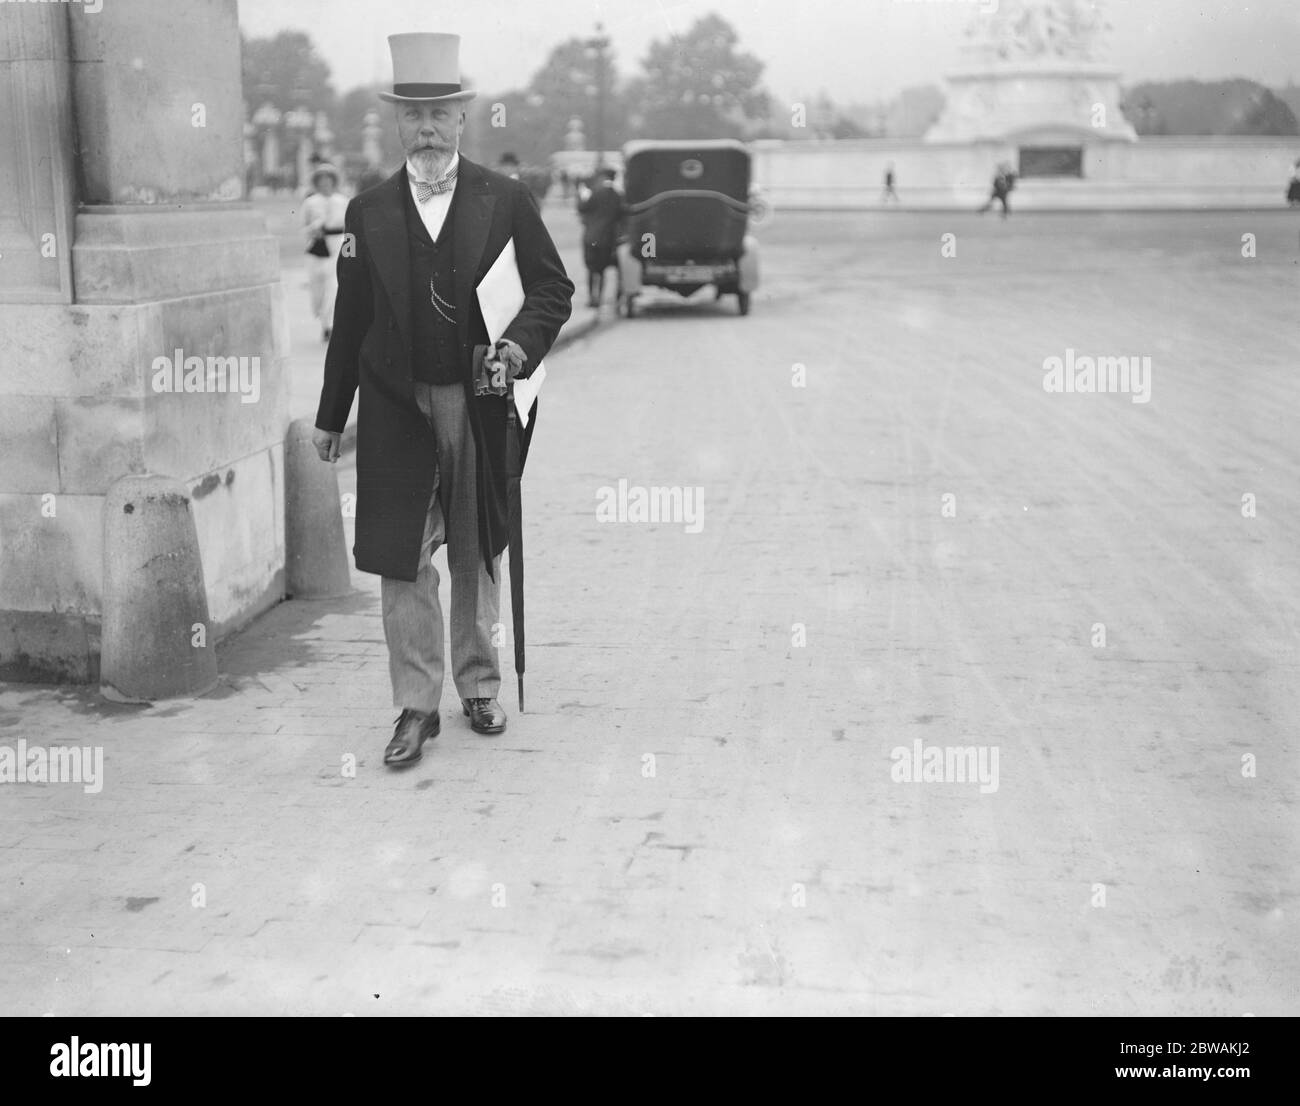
(526, 391)
(500, 296)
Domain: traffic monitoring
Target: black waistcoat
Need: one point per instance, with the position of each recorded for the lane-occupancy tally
(437, 357)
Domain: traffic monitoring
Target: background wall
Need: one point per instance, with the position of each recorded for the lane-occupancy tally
(1175, 173)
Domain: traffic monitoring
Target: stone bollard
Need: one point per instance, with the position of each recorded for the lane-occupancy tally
(155, 642)
(315, 550)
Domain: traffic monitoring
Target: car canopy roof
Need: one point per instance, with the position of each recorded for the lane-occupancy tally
(716, 165)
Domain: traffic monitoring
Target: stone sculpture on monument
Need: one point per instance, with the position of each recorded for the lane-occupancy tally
(1035, 79)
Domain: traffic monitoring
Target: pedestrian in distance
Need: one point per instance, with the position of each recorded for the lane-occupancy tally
(601, 209)
(508, 165)
(889, 193)
(1004, 180)
(431, 446)
(322, 215)
(1293, 188)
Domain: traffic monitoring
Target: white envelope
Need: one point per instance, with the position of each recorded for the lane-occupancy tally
(500, 296)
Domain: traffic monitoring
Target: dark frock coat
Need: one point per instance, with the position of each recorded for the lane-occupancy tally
(370, 353)
(601, 213)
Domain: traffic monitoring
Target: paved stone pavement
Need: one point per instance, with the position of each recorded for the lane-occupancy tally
(699, 812)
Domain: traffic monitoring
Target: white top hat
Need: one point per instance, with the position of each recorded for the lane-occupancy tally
(426, 66)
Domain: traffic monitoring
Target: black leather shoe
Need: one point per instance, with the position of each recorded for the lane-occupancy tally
(485, 715)
(414, 728)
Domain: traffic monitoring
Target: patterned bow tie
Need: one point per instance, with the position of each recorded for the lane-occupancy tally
(425, 191)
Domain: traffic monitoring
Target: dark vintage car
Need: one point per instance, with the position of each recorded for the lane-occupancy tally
(686, 221)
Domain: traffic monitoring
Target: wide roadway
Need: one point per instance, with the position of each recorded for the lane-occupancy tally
(921, 544)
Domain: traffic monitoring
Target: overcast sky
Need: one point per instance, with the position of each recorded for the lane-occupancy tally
(857, 50)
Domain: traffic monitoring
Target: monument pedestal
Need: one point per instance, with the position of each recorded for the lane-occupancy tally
(1049, 102)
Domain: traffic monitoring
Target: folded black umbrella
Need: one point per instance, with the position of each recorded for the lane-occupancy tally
(514, 471)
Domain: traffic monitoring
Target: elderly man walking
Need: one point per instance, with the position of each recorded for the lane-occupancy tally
(430, 452)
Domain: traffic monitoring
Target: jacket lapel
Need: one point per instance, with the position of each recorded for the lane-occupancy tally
(385, 224)
(473, 221)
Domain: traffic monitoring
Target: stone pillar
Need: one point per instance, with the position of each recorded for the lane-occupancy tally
(270, 153)
(303, 163)
(371, 148)
(300, 123)
(323, 137)
(250, 150)
(574, 139)
(161, 348)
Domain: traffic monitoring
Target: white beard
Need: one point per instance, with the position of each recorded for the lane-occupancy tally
(432, 164)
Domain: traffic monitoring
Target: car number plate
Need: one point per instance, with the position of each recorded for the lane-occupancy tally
(684, 272)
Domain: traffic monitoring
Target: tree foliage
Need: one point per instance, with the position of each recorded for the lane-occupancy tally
(696, 85)
(531, 122)
(699, 85)
(285, 71)
(1205, 108)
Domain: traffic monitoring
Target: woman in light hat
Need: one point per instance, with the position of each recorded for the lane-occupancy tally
(322, 215)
